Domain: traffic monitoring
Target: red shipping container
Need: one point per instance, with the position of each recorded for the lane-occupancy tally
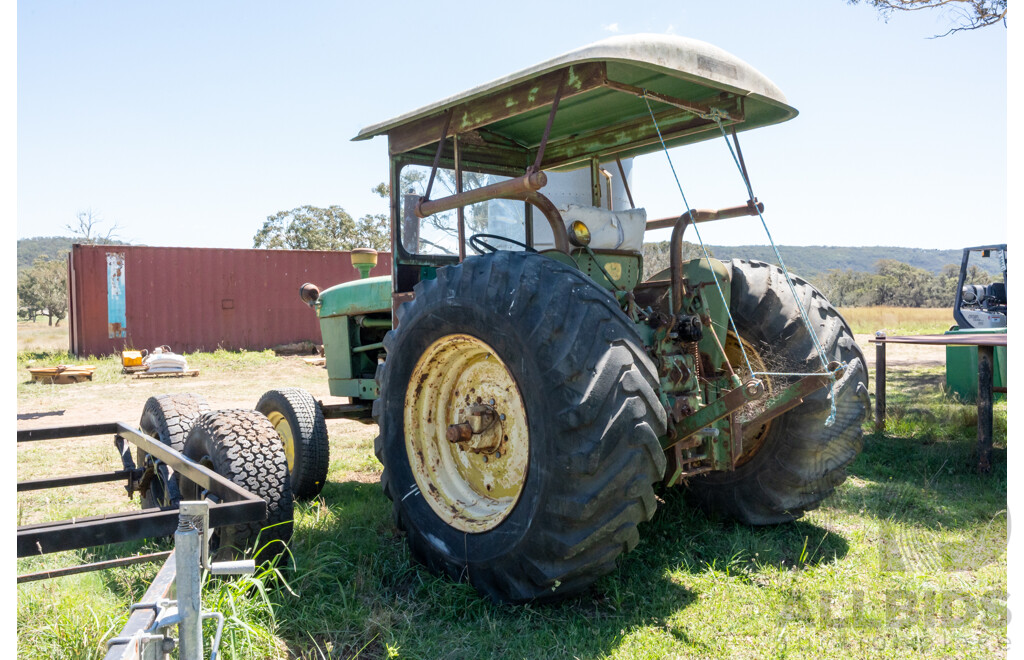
(134, 297)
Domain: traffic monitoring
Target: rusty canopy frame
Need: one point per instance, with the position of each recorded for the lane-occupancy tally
(508, 126)
(527, 186)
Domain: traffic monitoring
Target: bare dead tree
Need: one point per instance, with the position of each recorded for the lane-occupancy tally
(87, 229)
(971, 14)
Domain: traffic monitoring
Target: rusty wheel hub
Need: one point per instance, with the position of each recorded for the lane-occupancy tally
(466, 433)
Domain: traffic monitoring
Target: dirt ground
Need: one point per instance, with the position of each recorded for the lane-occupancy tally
(83, 403)
(903, 355)
(226, 385)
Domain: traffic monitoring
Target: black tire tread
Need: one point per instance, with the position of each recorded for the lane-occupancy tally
(309, 430)
(244, 447)
(802, 461)
(168, 418)
(604, 439)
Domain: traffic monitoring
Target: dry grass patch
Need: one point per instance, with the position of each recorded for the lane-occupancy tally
(898, 320)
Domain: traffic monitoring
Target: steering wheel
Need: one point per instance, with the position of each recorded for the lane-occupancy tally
(479, 245)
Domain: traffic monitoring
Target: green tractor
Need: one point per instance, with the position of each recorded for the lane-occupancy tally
(533, 385)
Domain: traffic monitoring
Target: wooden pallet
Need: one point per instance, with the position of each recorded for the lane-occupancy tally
(164, 374)
(62, 374)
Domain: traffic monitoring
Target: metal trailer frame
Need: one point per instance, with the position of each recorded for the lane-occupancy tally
(231, 503)
(146, 634)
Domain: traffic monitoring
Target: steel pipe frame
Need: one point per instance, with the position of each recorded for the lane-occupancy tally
(134, 641)
(679, 225)
(523, 188)
(233, 504)
(986, 357)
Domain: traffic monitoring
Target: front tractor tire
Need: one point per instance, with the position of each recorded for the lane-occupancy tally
(538, 496)
(793, 462)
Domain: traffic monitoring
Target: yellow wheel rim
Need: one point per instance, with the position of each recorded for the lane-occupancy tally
(472, 491)
(284, 430)
(752, 437)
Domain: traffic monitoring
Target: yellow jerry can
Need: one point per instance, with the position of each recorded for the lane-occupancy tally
(131, 358)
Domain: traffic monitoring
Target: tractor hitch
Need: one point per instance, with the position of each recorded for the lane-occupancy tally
(713, 450)
(794, 395)
(730, 401)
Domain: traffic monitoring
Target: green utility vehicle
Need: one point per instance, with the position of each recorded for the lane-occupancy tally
(533, 384)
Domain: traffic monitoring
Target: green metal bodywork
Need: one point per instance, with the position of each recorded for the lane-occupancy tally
(623, 270)
(365, 296)
(962, 366)
(351, 370)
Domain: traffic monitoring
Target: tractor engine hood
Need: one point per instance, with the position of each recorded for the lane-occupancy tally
(365, 296)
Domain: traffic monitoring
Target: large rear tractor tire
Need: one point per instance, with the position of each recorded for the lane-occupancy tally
(298, 419)
(168, 418)
(243, 446)
(792, 463)
(538, 499)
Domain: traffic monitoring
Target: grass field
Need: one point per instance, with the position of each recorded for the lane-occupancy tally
(898, 320)
(907, 559)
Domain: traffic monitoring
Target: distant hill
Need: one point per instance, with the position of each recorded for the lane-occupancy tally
(53, 247)
(811, 262)
(815, 260)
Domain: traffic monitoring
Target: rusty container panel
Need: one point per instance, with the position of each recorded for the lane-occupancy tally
(135, 297)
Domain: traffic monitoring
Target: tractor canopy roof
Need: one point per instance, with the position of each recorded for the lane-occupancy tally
(601, 110)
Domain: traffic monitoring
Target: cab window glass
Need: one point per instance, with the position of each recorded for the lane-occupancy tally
(438, 234)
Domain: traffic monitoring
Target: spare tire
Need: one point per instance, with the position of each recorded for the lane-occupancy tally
(242, 446)
(168, 418)
(298, 419)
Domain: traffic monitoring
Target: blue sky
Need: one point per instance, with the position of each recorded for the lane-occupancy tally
(188, 123)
